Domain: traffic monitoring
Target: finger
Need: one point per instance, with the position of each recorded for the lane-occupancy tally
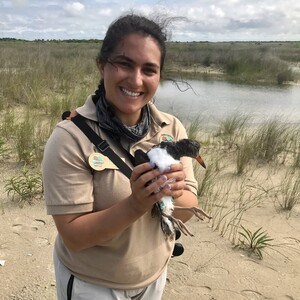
(176, 167)
(156, 185)
(139, 170)
(169, 189)
(176, 176)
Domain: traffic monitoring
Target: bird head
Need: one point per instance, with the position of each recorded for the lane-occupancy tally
(183, 147)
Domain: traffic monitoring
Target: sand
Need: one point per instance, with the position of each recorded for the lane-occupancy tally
(209, 268)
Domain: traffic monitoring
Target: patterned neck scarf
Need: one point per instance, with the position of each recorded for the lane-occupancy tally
(110, 122)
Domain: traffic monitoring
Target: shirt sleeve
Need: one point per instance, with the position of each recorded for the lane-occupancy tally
(67, 178)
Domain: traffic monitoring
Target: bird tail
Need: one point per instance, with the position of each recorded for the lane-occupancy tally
(166, 224)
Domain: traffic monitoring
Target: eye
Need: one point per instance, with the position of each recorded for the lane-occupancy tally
(124, 64)
(150, 71)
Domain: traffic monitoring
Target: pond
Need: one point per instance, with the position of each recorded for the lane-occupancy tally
(214, 100)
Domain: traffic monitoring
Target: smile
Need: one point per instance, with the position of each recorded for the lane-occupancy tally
(130, 93)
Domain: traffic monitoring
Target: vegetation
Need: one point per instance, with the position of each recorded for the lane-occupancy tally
(25, 186)
(263, 154)
(252, 62)
(4, 151)
(41, 79)
(254, 243)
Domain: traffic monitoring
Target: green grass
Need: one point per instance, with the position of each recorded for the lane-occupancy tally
(231, 128)
(4, 150)
(271, 139)
(247, 62)
(41, 80)
(287, 195)
(24, 187)
(254, 242)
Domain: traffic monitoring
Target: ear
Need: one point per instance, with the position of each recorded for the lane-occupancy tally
(101, 68)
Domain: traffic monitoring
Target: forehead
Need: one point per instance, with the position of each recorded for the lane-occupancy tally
(139, 48)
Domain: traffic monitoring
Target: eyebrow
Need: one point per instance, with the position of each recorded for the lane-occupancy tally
(122, 56)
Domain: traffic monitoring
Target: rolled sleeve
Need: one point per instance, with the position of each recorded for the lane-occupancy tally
(67, 178)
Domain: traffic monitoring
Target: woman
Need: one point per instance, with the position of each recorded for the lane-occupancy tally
(108, 245)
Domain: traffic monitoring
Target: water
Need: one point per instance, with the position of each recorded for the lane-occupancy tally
(214, 100)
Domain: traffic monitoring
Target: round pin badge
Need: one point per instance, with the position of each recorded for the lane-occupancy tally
(97, 161)
(165, 138)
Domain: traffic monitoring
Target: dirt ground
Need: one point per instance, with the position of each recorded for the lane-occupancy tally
(209, 268)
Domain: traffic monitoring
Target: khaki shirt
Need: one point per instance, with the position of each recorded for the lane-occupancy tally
(137, 256)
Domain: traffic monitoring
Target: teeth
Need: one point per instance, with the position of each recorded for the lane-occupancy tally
(129, 93)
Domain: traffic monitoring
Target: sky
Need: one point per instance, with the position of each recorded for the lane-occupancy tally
(200, 20)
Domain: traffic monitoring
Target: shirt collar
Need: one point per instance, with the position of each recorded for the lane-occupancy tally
(159, 117)
(88, 109)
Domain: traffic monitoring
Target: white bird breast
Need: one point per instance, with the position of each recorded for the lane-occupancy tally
(161, 158)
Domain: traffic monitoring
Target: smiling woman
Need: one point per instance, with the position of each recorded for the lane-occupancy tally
(109, 246)
(132, 76)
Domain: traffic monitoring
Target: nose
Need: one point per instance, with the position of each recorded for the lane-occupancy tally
(136, 78)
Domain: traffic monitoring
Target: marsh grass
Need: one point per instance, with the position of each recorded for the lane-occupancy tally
(231, 128)
(295, 147)
(264, 62)
(207, 180)
(29, 71)
(7, 125)
(287, 195)
(29, 139)
(271, 139)
(245, 153)
(4, 150)
(229, 207)
(228, 200)
(44, 79)
(296, 161)
(194, 127)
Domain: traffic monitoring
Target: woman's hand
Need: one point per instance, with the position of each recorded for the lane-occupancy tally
(176, 181)
(148, 186)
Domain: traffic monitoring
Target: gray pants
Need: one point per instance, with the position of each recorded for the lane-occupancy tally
(81, 290)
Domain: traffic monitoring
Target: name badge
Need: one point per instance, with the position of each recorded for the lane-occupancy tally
(99, 162)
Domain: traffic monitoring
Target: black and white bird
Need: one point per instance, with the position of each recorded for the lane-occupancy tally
(163, 155)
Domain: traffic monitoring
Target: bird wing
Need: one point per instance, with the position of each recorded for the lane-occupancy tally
(140, 157)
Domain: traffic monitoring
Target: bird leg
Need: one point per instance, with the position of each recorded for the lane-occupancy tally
(181, 226)
(198, 212)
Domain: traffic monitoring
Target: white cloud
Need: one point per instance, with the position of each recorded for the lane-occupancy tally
(217, 11)
(74, 8)
(105, 12)
(19, 3)
(205, 19)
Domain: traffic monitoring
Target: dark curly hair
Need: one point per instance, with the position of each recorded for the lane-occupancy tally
(132, 23)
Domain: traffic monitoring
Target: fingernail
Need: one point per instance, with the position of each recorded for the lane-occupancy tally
(152, 164)
(167, 186)
(164, 177)
(168, 169)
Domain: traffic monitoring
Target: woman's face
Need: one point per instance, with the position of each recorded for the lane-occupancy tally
(131, 76)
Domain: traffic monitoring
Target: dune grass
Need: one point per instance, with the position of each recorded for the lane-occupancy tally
(41, 80)
(239, 61)
(231, 128)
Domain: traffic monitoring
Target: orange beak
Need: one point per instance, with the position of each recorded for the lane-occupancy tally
(200, 161)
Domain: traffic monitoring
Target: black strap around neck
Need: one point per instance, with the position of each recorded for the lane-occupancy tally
(101, 144)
